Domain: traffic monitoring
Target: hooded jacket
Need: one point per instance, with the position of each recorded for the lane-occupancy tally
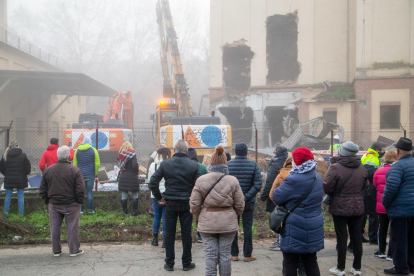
(249, 176)
(370, 160)
(15, 169)
(221, 207)
(128, 179)
(350, 201)
(152, 169)
(399, 191)
(87, 160)
(192, 154)
(275, 165)
(283, 173)
(379, 184)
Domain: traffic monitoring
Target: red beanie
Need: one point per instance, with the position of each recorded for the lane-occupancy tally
(301, 155)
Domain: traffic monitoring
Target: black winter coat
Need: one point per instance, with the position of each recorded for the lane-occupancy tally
(128, 179)
(276, 164)
(15, 169)
(180, 174)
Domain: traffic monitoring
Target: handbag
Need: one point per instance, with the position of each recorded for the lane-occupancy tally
(280, 214)
(328, 199)
(212, 187)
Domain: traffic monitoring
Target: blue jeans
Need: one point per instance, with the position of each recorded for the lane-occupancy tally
(124, 195)
(159, 211)
(89, 183)
(20, 200)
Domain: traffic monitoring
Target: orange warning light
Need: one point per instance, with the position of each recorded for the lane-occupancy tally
(162, 103)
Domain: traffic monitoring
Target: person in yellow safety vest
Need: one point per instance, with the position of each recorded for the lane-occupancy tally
(371, 162)
(337, 143)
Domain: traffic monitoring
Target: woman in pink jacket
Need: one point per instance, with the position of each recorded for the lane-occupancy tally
(383, 219)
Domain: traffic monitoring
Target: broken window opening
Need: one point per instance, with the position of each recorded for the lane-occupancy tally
(330, 116)
(236, 68)
(390, 116)
(240, 120)
(281, 123)
(282, 48)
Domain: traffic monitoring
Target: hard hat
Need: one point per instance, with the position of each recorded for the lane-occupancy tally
(336, 137)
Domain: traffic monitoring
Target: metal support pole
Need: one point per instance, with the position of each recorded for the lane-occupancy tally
(96, 184)
(332, 142)
(182, 132)
(255, 134)
(8, 135)
(97, 132)
(405, 133)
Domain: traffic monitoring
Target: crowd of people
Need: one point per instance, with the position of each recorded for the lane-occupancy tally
(357, 189)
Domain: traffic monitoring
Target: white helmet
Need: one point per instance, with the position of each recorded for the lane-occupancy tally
(336, 137)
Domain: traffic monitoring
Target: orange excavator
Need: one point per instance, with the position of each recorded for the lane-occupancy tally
(112, 132)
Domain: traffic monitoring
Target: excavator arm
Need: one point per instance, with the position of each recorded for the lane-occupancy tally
(120, 107)
(175, 85)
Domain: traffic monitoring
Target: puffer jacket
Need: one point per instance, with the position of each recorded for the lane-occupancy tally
(128, 179)
(303, 231)
(275, 165)
(349, 202)
(87, 160)
(50, 158)
(15, 169)
(221, 207)
(399, 191)
(284, 172)
(248, 174)
(379, 183)
(153, 167)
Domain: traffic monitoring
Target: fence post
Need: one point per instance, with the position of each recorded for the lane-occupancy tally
(332, 142)
(8, 134)
(255, 135)
(405, 133)
(97, 132)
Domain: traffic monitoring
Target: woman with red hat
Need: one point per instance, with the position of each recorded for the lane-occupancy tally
(302, 235)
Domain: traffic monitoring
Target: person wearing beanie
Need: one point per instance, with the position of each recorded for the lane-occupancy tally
(398, 202)
(303, 234)
(344, 182)
(275, 165)
(49, 157)
(86, 158)
(216, 202)
(250, 178)
(192, 154)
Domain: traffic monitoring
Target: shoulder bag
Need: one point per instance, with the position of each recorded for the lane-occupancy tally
(280, 214)
(212, 187)
(328, 199)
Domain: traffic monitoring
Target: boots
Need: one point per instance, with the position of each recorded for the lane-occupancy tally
(163, 242)
(135, 207)
(155, 240)
(124, 203)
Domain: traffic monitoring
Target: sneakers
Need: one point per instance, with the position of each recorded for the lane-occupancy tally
(355, 271)
(380, 255)
(275, 247)
(389, 258)
(393, 271)
(91, 212)
(57, 254)
(234, 258)
(199, 240)
(80, 252)
(249, 259)
(189, 267)
(336, 271)
(168, 268)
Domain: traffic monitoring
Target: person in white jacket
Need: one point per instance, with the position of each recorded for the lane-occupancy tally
(159, 209)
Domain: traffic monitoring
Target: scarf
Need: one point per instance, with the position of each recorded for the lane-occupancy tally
(221, 168)
(124, 157)
(307, 166)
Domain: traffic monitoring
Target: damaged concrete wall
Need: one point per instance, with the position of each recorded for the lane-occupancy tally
(282, 48)
(236, 68)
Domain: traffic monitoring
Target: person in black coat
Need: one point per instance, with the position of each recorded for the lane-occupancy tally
(15, 167)
(275, 165)
(128, 177)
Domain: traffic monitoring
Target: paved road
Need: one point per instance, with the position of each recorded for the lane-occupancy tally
(143, 259)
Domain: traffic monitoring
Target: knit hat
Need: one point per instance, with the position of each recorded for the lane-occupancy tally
(228, 156)
(404, 144)
(192, 154)
(301, 155)
(241, 149)
(280, 150)
(87, 140)
(218, 157)
(348, 149)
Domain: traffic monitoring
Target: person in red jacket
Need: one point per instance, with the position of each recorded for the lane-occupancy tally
(379, 182)
(49, 157)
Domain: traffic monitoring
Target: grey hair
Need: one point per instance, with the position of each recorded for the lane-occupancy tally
(63, 153)
(181, 146)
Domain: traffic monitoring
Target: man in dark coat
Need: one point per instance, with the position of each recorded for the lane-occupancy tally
(250, 179)
(180, 174)
(275, 165)
(63, 189)
(398, 201)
